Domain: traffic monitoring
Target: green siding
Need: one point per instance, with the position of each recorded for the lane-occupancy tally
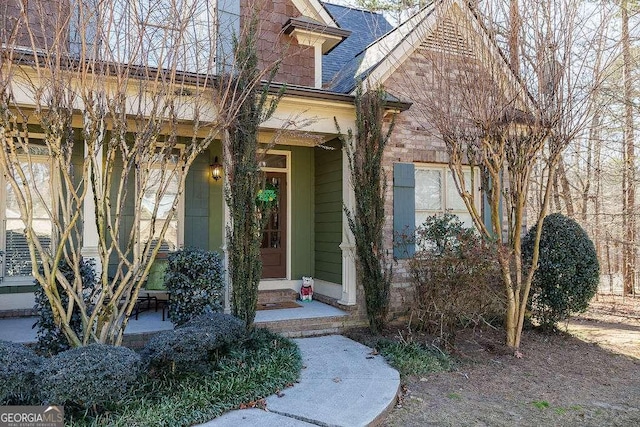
(196, 204)
(216, 203)
(200, 228)
(328, 214)
(302, 203)
(202, 191)
(126, 216)
(77, 159)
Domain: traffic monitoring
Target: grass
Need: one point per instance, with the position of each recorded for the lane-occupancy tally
(258, 368)
(412, 358)
(540, 404)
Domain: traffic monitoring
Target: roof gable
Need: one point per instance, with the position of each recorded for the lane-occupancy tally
(365, 27)
(314, 9)
(448, 20)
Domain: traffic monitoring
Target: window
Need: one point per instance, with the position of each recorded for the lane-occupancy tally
(436, 193)
(159, 195)
(17, 259)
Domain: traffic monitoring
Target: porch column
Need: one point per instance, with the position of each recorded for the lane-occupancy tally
(347, 246)
(225, 250)
(90, 236)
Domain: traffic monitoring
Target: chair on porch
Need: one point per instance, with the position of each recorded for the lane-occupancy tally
(154, 290)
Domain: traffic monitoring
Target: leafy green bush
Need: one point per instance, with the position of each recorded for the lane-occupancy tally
(18, 367)
(196, 342)
(456, 277)
(93, 376)
(222, 323)
(256, 367)
(195, 279)
(51, 339)
(568, 271)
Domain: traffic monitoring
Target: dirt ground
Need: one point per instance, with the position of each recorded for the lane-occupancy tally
(589, 376)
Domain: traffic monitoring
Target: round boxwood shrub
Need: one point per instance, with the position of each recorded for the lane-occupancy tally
(18, 367)
(568, 271)
(51, 339)
(197, 341)
(89, 377)
(195, 279)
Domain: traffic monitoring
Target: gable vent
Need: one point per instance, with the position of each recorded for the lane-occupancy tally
(447, 38)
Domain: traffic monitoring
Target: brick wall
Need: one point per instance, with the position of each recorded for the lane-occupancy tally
(297, 67)
(413, 141)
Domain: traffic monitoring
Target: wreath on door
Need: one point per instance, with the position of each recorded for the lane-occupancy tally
(267, 196)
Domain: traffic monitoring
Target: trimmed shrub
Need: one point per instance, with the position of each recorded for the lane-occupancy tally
(456, 277)
(568, 270)
(195, 279)
(18, 367)
(89, 377)
(51, 339)
(191, 345)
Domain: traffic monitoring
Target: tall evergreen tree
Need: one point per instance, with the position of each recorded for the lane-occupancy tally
(244, 234)
(365, 152)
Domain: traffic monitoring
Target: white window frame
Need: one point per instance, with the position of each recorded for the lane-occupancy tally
(26, 280)
(179, 214)
(444, 170)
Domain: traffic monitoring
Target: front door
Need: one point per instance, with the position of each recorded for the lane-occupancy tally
(274, 235)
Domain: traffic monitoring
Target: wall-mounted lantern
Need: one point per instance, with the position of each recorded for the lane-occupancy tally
(216, 169)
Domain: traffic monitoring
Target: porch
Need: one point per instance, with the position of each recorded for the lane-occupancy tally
(311, 318)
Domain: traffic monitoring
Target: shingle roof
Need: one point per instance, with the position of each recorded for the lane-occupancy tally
(365, 27)
(367, 60)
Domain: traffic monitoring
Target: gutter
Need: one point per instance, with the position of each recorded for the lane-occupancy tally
(26, 56)
(324, 95)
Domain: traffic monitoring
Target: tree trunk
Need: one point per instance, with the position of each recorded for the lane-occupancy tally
(565, 188)
(514, 36)
(629, 249)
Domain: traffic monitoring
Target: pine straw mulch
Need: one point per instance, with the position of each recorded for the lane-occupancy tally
(587, 376)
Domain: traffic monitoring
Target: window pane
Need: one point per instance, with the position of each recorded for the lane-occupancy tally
(39, 176)
(421, 217)
(275, 161)
(162, 190)
(465, 218)
(454, 201)
(428, 189)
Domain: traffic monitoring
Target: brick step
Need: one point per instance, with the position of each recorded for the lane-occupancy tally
(276, 296)
(20, 312)
(334, 303)
(296, 328)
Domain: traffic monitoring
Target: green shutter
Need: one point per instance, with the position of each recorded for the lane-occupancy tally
(404, 209)
(196, 210)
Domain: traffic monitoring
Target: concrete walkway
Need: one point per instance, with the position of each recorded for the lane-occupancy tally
(341, 384)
